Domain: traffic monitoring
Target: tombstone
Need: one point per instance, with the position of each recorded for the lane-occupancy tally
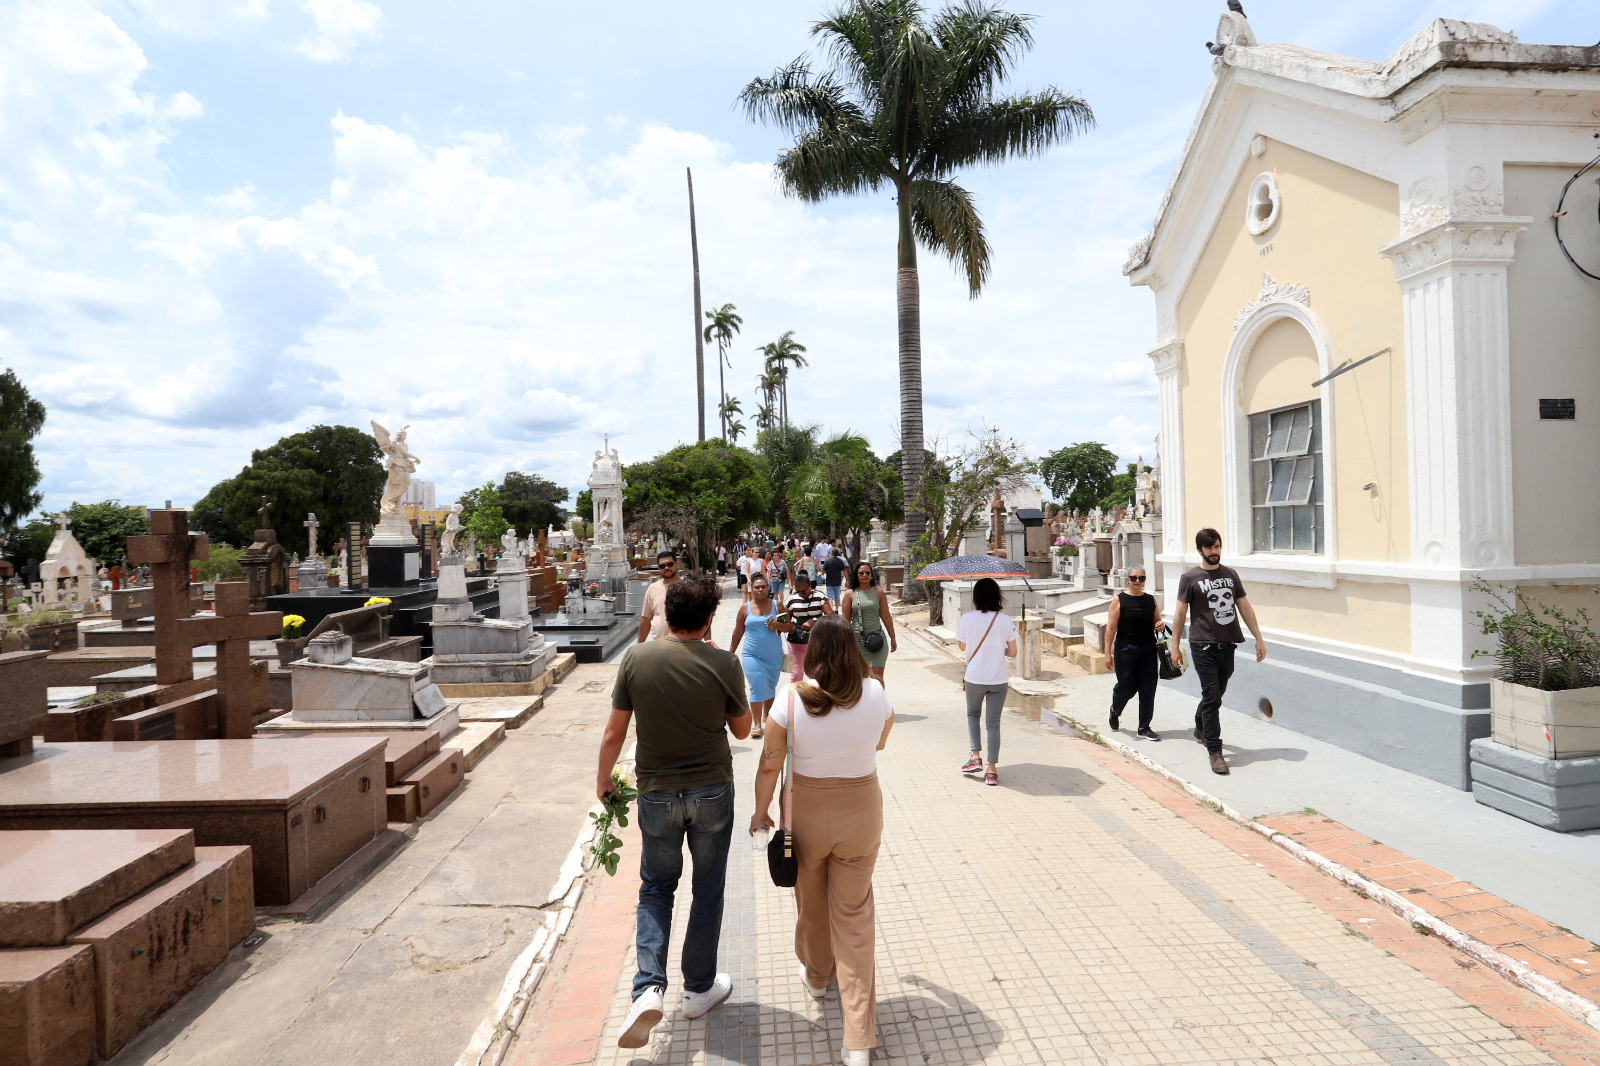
(67, 573)
(609, 560)
(393, 553)
(471, 649)
(335, 690)
(973, 543)
(511, 574)
(168, 548)
(311, 573)
(352, 557)
(24, 700)
(266, 565)
(1016, 538)
(231, 630)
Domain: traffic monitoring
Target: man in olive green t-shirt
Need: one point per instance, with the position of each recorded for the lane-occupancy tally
(683, 697)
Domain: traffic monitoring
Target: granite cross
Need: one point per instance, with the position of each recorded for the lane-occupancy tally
(168, 549)
(311, 528)
(230, 630)
(262, 511)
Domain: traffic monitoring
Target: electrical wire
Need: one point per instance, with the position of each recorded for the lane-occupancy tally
(1559, 212)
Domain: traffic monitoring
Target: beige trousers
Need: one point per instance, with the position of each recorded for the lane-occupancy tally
(838, 825)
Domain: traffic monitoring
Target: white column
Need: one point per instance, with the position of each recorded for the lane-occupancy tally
(1452, 276)
(1168, 360)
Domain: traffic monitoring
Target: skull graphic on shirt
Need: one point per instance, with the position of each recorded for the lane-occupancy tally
(1221, 602)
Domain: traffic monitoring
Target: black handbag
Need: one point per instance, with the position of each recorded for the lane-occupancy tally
(1164, 664)
(873, 642)
(781, 861)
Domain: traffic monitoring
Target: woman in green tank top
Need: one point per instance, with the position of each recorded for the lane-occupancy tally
(868, 611)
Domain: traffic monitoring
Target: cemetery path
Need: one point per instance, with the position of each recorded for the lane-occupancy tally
(1084, 911)
(404, 968)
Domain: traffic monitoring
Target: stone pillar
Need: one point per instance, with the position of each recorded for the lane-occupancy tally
(1168, 360)
(512, 576)
(1452, 275)
(1030, 647)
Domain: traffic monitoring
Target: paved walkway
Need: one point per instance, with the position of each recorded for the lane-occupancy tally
(1084, 911)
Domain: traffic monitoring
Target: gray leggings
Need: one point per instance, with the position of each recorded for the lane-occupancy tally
(995, 697)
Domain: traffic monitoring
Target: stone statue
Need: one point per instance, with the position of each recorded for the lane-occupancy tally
(605, 534)
(311, 528)
(400, 464)
(508, 541)
(452, 527)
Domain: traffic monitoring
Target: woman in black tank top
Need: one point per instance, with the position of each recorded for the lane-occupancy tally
(1130, 650)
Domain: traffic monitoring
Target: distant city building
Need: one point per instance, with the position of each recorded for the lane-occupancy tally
(418, 497)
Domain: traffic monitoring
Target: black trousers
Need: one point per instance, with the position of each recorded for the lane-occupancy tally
(1136, 673)
(1213, 665)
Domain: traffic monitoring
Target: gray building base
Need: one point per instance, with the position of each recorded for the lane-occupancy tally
(1559, 794)
(1417, 724)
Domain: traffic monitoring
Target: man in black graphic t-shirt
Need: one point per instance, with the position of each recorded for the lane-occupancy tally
(1216, 595)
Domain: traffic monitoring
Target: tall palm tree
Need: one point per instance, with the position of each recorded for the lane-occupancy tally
(722, 325)
(735, 429)
(730, 407)
(909, 100)
(779, 354)
(769, 384)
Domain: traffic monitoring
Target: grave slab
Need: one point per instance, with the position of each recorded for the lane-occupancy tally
(47, 1006)
(403, 803)
(235, 860)
(153, 949)
(444, 723)
(54, 880)
(509, 711)
(436, 779)
(302, 808)
(477, 739)
(24, 698)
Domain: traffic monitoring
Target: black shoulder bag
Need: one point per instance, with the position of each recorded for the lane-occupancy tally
(781, 860)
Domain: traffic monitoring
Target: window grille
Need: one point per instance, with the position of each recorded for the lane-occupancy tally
(1286, 480)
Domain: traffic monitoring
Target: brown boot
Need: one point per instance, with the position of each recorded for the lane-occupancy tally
(1219, 765)
(1201, 737)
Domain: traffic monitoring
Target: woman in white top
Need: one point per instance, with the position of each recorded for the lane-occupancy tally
(840, 720)
(988, 637)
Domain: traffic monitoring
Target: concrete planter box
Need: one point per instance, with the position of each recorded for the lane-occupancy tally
(1558, 794)
(1551, 725)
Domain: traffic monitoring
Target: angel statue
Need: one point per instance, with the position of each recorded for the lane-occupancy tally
(452, 527)
(400, 464)
(508, 541)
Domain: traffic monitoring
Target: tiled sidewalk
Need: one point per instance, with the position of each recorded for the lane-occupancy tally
(1086, 911)
(1544, 947)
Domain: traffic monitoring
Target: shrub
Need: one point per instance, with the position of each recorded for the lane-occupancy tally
(1540, 645)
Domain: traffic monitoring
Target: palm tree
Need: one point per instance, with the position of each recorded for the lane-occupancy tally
(769, 383)
(723, 324)
(909, 100)
(730, 406)
(735, 429)
(780, 353)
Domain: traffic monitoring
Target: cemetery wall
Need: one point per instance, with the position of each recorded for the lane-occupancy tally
(1554, 320)
(1332, 221)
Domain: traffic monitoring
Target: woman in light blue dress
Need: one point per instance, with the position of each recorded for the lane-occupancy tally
(758, 641)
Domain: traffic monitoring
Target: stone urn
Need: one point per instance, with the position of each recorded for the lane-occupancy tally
(290, 650)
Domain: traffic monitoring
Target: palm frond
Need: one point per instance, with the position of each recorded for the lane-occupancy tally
(794, 100)
(997, 130)
(982, 44)
(837, 161)
(945, 220)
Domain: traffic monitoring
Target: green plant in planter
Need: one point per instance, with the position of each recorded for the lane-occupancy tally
(1541, 646)
(1066, 551)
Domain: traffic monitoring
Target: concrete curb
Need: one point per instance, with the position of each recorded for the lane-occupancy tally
(1582, 1009)
(495, 1034)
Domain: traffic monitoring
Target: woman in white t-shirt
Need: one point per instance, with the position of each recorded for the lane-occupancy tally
(840, 719)
(988, 637)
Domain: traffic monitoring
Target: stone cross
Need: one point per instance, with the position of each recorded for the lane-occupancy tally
(167, 549)
(262, 511)
(63, 522)
(311, 527)
(231, 630)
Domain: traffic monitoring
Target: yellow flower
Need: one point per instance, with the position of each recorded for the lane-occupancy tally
(292, 624)
(377, 601)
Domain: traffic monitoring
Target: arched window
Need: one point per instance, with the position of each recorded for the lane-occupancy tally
(1286, 479)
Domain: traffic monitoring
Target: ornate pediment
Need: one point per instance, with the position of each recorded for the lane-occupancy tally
(1271, 292)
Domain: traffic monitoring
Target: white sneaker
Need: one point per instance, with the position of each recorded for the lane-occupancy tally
(697, 1003)
(855, 1056)
(816, 993)
(642, 1017)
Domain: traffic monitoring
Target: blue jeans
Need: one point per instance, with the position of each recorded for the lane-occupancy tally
(666, 816)
(833, 592)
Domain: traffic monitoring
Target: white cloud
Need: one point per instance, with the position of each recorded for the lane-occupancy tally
(341, 25)
(203, 18)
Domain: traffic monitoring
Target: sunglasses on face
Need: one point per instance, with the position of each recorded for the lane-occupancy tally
(1135, 578)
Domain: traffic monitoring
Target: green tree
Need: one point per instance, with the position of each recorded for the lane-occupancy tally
(699, 492)
(335, 472)
(841, 490)
(1079, 475)
(21, 419)
(911, 99)
(103, 529)
(768, 384)
(779, 355)
(531, 502)
(786, 450)
(1120, 489)
(735, 430)
(481, 514)
(222, 564)
(29, 541)
(723, 323)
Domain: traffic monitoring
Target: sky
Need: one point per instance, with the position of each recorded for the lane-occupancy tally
(224, 221)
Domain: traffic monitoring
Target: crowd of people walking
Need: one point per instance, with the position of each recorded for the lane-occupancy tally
(820, 734)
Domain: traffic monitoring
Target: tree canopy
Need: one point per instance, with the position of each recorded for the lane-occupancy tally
(844, 487)
(335, 472)
(531, 502)
(21, 419)
(711, 488)
(483, 514)
(1080, 475)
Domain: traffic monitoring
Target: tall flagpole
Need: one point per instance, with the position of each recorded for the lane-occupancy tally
(699, 342)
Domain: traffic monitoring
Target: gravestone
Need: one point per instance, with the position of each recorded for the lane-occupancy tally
(67, 572)
(471, 649)
(311, 573)
(231, 630)
(266, 565)
(353, 579)
(24, 700)
(167, 550)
